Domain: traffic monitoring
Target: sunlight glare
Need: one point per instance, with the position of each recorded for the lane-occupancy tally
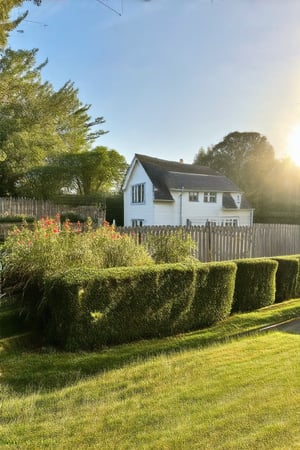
(294, 145)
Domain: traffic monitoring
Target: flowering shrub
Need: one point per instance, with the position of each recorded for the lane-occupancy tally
(31, 253)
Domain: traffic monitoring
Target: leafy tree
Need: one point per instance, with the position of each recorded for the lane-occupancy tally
(83, 173)
(7, 25)
(246, 158)
(93, 171)
(37, 123)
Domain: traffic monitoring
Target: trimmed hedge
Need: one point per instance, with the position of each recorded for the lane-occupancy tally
(297, 288)
(255, 284)
(286, 277)
(89, 309)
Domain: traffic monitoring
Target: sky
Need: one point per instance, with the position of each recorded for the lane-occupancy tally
(172, 76)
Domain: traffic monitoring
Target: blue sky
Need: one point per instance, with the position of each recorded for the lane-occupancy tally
(171, 76)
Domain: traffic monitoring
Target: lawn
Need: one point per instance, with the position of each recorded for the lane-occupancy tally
(211, 389)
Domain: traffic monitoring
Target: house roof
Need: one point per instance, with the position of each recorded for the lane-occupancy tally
(229, 203)
(170, 175)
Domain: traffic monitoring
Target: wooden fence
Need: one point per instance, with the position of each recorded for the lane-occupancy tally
(38, 208)
(220, 243)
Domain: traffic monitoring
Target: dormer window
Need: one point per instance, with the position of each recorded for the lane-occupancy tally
(210, 197)
(138, 193)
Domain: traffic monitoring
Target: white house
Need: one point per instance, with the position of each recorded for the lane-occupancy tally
(159, 192)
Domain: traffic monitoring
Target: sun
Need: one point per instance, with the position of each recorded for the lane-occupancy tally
(294, 145)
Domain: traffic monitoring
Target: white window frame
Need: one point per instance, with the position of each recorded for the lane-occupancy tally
(210, 197)
(231, 222)
(193, 196)
(138, 193)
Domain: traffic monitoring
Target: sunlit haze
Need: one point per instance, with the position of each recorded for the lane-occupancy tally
(294, 145)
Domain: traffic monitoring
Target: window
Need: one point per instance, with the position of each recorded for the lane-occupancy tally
(138, 193)
(193, 196)
(137, 222)
(210, 197)
(231, 222)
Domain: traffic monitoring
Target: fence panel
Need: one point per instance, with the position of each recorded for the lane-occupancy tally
(41, 208)
(221, 243)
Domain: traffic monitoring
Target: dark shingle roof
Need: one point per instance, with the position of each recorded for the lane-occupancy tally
(168, 175)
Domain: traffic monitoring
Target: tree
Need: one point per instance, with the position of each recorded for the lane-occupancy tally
(7, 25)
(246, 158)
(93, 171)
(37, 123)
(85, 173)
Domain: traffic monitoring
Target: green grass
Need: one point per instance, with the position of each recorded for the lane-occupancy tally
(202, 390)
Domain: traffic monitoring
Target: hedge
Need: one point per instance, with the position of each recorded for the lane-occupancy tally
(255, 284)
(89, 309)
(297, 288)
(286, 277)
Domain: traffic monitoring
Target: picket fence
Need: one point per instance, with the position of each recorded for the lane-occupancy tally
(221, 243)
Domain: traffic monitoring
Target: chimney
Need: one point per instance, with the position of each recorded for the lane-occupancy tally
(181, 161)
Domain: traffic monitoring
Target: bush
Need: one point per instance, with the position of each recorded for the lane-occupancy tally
(255, 284)
(17, 219)
(89, 309)
(30, 255)
(214, 294)
(297, 288)
(174, 247)
(286, 277)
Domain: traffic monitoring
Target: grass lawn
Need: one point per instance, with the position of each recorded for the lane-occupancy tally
(202, 390)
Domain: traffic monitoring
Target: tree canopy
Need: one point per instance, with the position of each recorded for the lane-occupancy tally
(245, 157)
(37, 123)
(84, 173)
(6, 24)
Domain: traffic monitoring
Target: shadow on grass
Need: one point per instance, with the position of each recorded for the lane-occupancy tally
(24, 367)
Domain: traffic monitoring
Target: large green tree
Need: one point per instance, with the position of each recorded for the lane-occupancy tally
(84, 173)
(37, 123)
(245, 157)
(7, 24)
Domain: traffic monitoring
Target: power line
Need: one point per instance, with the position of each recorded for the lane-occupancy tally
(112, 9)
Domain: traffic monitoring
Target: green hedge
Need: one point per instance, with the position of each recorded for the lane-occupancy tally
(255, 284)
(89, 309)
(297, 288)
(286, 277)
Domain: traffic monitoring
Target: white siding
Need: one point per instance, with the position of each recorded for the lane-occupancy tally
(134, 210)
(198, 213)
(165, 213)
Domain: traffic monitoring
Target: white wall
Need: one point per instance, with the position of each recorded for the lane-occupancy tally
(165, 213)
(138, 211)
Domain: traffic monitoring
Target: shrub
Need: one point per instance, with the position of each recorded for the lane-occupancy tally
(214, 294)
(30, 255)
(255, 284)
(297, 288)
(286, 277)
(89, 309)
(16, 219)
(174, 247)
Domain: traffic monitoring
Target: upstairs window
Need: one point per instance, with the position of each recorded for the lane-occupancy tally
(193, 196)
(138, 193)
(210, 197)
